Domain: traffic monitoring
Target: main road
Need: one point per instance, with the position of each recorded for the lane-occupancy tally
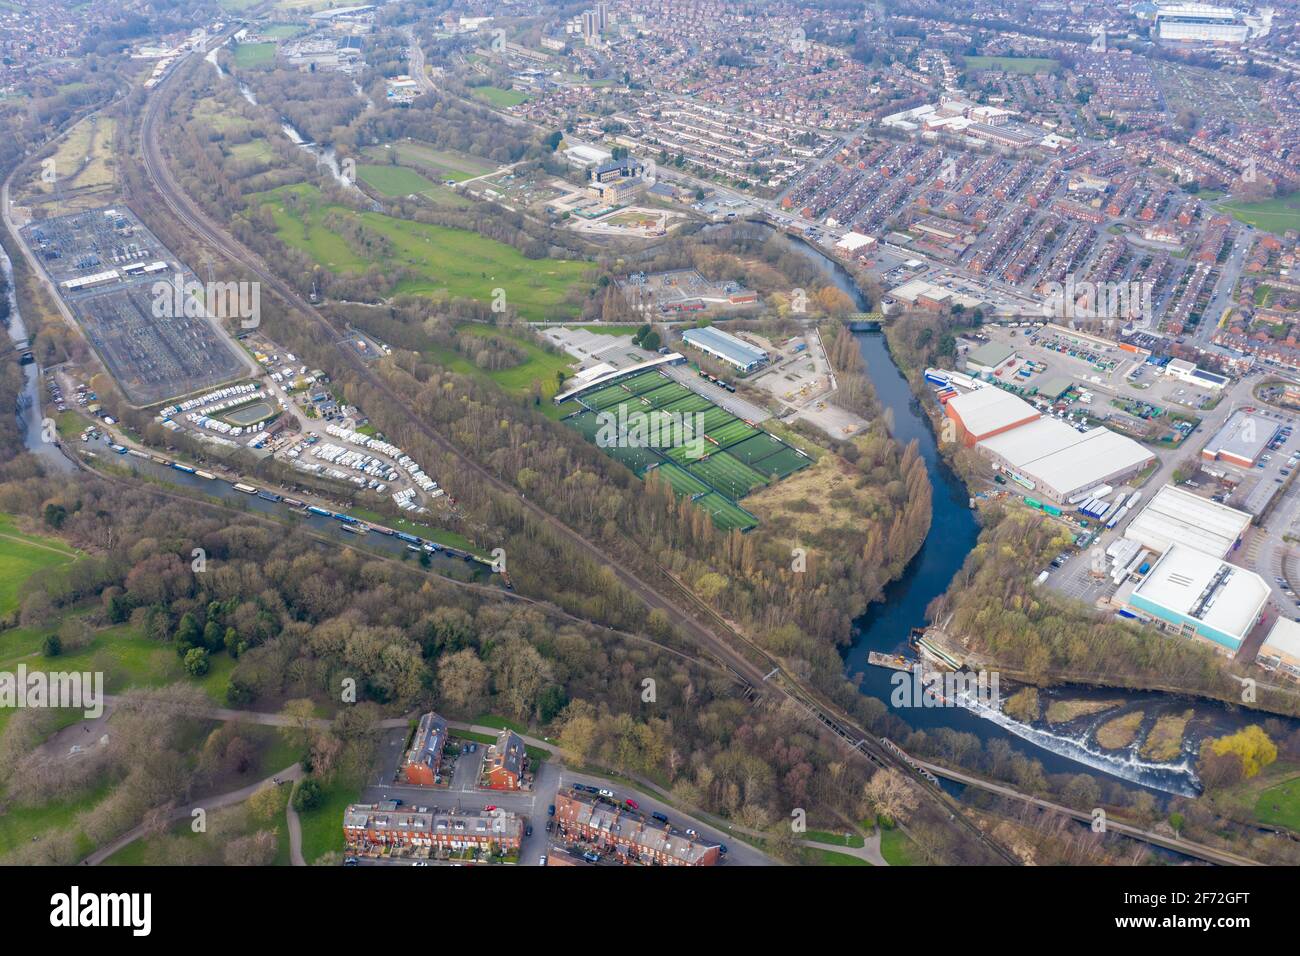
(722, 642)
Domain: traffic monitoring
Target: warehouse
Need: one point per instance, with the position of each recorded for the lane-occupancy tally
(986, 412)
(1059, 461)
(1281, 649)
(1241, 440)
(1176, 516)
(727, 347)
(988, 357)
(1196, 595)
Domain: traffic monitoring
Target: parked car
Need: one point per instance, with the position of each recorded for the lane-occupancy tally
(490, 807)
(632, 804)
(662, 818)
(351, 861)
(528, 830)
(541, 860)
(550, 811)
(606, 793)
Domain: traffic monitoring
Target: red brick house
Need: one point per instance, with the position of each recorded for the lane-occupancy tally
(505, 762)
(424, 758)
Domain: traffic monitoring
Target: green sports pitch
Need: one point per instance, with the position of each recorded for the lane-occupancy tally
(731, 459)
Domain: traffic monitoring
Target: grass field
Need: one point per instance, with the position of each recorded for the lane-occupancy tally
(1280, 805)
(448, 261)
(1011, 64)
(815, 856)
(254, 54)
(441, 163)
(495, 96)
(21, 556)
(83, 163)
(1274, 215)
(540, 366)
(898, 849)
(124, 655)
(401, 181)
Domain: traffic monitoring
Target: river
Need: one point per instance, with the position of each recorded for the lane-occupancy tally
(953, 533)
(29, 399)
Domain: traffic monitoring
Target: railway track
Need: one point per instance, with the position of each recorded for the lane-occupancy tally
(725, 647)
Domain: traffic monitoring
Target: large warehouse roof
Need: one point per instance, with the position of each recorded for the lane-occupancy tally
(1025, 444)
(1062, 459)
(1195, 585)
(989, 409)
(1176, 516)
(1099, 454)
(725, 345)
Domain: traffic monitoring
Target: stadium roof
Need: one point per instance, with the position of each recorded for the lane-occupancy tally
(988, 409)
(1176, 516)
(725, 344)
(1195, 585)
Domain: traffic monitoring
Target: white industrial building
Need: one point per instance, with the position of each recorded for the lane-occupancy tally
(1059, 461)
(1193, 594)
(1176, 516)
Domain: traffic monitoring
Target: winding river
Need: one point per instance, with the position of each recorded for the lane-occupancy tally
(953, 533)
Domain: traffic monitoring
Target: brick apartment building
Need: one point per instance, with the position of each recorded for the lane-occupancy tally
(424, 758)
(629, 834)
(505, 762)
(372, 827)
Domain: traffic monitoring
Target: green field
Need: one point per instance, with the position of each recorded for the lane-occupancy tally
(1011, 64)
(815, 856)
(1280, 805)
(898, 849)
(21, 556)
(254, 54)
(441, 163)
(401, 181)
(447, 261)
(729, 475)
(125, 656)
(495, 96)
(1273, 215)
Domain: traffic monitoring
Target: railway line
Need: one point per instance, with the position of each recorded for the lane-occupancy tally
(741, 657)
